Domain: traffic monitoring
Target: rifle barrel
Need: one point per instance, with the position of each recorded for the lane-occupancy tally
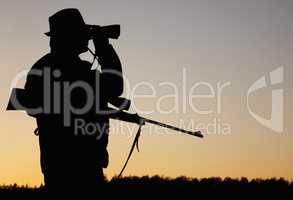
(193, 133)
(134, 118)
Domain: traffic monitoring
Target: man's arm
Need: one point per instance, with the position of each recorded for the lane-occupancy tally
(111, 69)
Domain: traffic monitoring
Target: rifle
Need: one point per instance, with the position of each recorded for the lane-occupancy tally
(119, 114)
(135, 118)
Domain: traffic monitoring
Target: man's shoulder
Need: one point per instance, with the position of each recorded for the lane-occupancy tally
(43, 62)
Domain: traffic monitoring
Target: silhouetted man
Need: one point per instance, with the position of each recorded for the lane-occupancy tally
(72, 155)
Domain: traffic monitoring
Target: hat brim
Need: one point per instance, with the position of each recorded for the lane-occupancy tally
(87, 27)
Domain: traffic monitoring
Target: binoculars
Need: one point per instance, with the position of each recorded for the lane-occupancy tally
(110, 31)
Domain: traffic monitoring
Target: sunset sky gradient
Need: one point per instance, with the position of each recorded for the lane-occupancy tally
(214, 41)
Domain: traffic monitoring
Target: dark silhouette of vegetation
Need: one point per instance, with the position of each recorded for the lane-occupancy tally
(156, 185)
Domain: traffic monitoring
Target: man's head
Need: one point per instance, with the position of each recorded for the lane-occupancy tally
(68, 32)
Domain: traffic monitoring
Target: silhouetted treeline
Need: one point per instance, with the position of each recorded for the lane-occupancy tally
(156, 185)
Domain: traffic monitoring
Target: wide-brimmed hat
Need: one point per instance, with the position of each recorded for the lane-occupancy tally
(67, 21)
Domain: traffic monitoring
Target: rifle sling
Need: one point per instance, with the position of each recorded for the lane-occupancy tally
(135, 143)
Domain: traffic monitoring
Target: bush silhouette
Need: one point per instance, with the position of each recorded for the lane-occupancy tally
(208, 187)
